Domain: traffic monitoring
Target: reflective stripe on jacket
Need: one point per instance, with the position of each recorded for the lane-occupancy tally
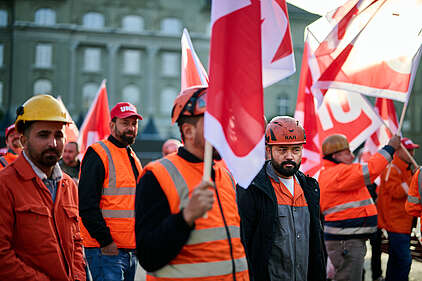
(7, 159)
(39, 239)
(346, 203)
(117, 202)
(392, 215)
(413, 203)
(206, 254)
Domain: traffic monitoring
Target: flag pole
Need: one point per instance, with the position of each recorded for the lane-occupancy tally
(207, 162)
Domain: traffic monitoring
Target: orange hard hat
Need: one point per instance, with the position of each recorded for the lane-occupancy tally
(284, 130)
(191, 102)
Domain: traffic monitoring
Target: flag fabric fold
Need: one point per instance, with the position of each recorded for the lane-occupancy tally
(375, 50)
(192, 72)
(234, 120)
(96, 125)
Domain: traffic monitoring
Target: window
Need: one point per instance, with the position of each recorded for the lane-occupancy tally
(93, 20)
(43, 55)
(170, 64)
(3, 18)
(1, 93)
(131, 94)
(133, 23)
(89, 91)
(45, 16)
(283, 105)
(42, 86)
(171, 26)
(92, 62)
(167, 98)
(1, 55)
(132, 59)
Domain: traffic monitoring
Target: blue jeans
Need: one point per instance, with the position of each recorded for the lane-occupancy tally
(111, 268)
(399, 258)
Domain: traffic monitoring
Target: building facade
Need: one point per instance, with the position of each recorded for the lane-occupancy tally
(67, 47)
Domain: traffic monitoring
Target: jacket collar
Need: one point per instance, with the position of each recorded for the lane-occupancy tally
(114, 141)
(400, 163)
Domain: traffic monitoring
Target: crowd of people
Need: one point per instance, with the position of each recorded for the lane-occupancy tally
(96, 219)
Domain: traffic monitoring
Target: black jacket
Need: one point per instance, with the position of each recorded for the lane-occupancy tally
(258, 210)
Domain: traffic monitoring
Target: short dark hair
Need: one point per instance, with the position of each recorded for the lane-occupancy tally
(193, 120)
(24, 127)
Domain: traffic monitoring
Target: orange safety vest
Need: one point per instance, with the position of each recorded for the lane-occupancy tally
(7, 159)
(346, 204)
(206, 254)
(413, 203)
(392, 215)
(117, 202)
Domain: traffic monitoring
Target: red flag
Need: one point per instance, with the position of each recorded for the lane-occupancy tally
(72, 132)
(234, 121)
(340, 113)
(96, 125)
(378, 51)
(278, 60)
(387, 112)
(193, 73)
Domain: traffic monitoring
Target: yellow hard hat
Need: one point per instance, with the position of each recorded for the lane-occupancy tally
(334, 143)
(41, 108)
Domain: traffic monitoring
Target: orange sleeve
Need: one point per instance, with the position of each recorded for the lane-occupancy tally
(413, 203)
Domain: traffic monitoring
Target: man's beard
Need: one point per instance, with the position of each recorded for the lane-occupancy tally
(45, 160)
(287, 172)
(127, 140)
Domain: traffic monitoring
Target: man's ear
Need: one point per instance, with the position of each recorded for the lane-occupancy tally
(112, 125)
(23, 140)
(188, 131)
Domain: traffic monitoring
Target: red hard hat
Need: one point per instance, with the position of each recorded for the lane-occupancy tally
(191, 102)
(284, 130)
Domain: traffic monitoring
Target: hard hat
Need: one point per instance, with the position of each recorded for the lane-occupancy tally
(191, 102)
(334, 143)
(284, 130)
(9, 129)
(41, 108)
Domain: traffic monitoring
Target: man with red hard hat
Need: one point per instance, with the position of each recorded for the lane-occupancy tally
(392, 215)
(175, 240)
(107, 187)
(14, 146)
(279, 211)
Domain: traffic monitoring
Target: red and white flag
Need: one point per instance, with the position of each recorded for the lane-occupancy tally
(234, 120)
(72, 132)
(96, 125)
(192, 73)
(339, 113)
(378, 51)
(387, 112)
(278, 60)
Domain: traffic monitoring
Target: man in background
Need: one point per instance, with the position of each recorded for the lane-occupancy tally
(70, 162)
(170, 146)
(14, 146)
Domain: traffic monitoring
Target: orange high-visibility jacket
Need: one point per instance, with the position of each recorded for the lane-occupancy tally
(117, 202)
(206, 255)
(7, 159)
(413, 203)
(346, 203)
(392, 215)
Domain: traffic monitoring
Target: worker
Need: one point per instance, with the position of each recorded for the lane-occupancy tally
(107, 183)
(170, 146)
(350, 213)
(39, 223)
(70, 162)
(392, 215)
(279, 211)
(13, 144)
(188, 228)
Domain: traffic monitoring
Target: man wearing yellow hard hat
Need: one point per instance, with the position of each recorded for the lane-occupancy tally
(39, 229)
